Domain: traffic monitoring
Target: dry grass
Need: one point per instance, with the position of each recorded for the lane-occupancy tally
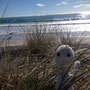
(40, 43)
(36, 69)
(68, 38)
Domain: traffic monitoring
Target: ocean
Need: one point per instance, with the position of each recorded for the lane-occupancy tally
(17, 27)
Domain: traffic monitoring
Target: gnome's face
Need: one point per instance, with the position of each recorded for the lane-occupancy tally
(64, 56)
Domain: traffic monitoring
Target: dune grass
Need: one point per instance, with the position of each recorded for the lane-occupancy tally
(40, 43)
(67, 37)
(35, 69)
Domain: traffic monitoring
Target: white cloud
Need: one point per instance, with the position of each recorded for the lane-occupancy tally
(82, 1)
(58, 4)
(82, 5)
(61, 3)
(40, 5)
(64, 3)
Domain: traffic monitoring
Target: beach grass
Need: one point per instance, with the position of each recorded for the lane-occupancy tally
(33, 66)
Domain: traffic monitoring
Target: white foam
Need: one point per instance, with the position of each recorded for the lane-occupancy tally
(72, 25)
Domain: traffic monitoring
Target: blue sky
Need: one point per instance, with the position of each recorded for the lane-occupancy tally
(43, 7)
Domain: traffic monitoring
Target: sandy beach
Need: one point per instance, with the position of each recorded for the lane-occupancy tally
(12, 43)
(86, 40)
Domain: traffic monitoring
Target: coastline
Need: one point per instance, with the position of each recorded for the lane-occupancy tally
(18, 42)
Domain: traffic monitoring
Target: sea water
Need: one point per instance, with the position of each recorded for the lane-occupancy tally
(17, 27)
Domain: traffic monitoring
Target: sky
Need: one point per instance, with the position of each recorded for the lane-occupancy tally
(17, 8)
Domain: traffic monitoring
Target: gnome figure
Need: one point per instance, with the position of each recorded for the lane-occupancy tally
(65, 57)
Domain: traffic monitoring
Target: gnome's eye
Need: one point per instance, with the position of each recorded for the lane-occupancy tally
(58, 54)
(68, 55)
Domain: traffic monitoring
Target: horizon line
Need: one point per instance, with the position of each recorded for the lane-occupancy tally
(42, 15)
(83, 12)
